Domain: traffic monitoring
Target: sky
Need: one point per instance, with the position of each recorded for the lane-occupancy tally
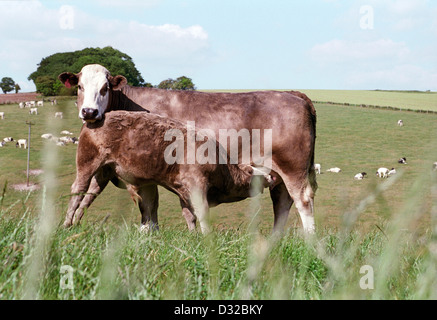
(235, 44)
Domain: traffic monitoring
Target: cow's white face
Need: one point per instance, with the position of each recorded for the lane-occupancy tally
(94, 90)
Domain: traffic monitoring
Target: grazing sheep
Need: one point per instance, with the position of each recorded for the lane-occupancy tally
(382, 172)
(335, 170)
(21, 105)
(360, 176)
(8, 139)
(33, 111)
(40, 103)
(21, 143)
(317, 167)
(402, 160)
(47, 136)
(400, 123)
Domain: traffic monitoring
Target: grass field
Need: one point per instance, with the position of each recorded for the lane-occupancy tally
(385, 224)
(408, 100)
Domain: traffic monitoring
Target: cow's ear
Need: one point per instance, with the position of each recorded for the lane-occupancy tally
(117, 82)
(68, 79)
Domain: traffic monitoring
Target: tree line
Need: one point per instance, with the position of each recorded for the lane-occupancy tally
(46, 76)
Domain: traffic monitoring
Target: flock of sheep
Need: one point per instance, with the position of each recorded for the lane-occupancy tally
(33, 110)
(381, 172)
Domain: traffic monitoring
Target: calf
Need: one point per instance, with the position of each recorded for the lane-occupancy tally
(135, 149)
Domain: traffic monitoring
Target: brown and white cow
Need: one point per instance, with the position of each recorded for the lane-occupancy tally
(290, 115)
(134, 148)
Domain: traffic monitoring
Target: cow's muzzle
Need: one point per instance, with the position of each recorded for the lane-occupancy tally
(89, 114)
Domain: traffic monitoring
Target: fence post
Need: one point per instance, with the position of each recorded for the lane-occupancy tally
(30, 123)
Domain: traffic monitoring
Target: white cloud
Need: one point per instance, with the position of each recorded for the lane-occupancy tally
(342, 51)
(35, 32)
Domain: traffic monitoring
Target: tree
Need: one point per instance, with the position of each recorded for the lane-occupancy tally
(7, 84)
(112, 59)
(17, 87)
(181, 83)
(166, 84)
(45, 85)
(184, 83)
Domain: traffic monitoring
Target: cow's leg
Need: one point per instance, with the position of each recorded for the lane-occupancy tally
(148, 204)
(201, 210)
(97, 184)
(282, 203)
(302, 192)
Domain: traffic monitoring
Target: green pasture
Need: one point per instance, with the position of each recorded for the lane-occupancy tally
(406, 100)
(387, 224)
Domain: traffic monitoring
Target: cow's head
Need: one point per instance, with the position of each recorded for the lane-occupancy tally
(95, 84)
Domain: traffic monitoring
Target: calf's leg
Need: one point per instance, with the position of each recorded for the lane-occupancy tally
(78, 189)
(148, 204)
(282, 203)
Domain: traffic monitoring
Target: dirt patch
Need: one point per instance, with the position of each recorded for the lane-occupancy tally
(25, 187)
(18, 97)
(35, 172)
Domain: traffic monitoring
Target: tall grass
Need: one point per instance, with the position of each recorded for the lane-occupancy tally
(119, 262)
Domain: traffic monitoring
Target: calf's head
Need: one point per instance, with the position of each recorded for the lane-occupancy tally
(95, 86)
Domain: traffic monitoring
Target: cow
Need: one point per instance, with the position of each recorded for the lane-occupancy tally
(134, 148)
(290, 116)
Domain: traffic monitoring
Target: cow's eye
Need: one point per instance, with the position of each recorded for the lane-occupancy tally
(103, 90)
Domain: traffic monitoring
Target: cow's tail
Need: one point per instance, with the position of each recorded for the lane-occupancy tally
(312, 121)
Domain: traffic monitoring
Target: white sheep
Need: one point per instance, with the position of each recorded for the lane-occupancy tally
(33, 111)
(335, 170)
(382, 172)
(392, 171)
(317, 167)
(2, 115)
(434, 166)
(402, 160)
(360, 176)
(400, 123)
(21, 143)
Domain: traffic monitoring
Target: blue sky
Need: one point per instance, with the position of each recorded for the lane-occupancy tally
(238, 44)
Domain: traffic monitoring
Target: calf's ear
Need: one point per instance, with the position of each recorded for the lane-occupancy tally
(68, 79)
(117, 82)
